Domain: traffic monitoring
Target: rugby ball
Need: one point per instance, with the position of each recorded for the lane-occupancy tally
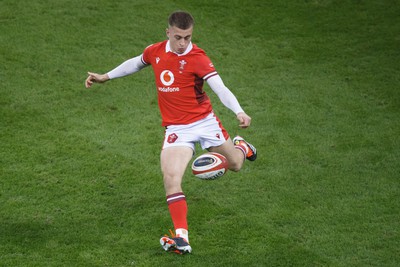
(210, 166)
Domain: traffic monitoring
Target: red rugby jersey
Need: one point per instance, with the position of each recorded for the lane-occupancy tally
(179, 80)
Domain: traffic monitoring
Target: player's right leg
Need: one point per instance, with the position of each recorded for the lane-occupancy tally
(174, 160)
(175, 244)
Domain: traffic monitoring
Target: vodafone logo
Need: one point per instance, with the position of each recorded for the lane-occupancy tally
(167, 77)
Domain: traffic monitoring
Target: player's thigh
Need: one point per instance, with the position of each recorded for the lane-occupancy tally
(174, 161)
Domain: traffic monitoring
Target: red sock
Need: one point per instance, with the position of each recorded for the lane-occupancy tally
(178, 209)
(242, 148)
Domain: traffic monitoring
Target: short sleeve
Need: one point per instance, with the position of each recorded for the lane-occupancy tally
(205, 68)
(146, 55)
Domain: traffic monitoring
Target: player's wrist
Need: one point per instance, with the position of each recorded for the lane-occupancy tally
(240, 112)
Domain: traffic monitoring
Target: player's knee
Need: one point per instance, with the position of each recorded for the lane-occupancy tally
(235, 166)
(236, 162)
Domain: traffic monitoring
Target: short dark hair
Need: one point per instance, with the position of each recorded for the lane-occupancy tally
(181, 19)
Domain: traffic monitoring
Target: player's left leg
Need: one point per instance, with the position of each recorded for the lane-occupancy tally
(216, 139)
(233, 155)
(236, 152)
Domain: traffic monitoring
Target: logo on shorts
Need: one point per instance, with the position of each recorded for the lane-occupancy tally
(172, 138)
(217, 135)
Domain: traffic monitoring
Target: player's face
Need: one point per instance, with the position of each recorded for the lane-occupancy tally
(179, 39)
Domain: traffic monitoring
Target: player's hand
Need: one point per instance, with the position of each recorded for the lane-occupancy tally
(244, 120)
(95, 78)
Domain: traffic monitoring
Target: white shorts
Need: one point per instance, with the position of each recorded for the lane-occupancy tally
(208, 132)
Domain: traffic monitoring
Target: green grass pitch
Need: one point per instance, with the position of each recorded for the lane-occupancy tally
(80, 183)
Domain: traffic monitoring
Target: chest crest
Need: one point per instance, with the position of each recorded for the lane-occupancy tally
(182, 64)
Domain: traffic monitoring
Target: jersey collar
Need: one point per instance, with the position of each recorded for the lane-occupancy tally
(188, 49)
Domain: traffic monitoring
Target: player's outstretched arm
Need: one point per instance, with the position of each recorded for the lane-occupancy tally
(95, 78)
(126, 68)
